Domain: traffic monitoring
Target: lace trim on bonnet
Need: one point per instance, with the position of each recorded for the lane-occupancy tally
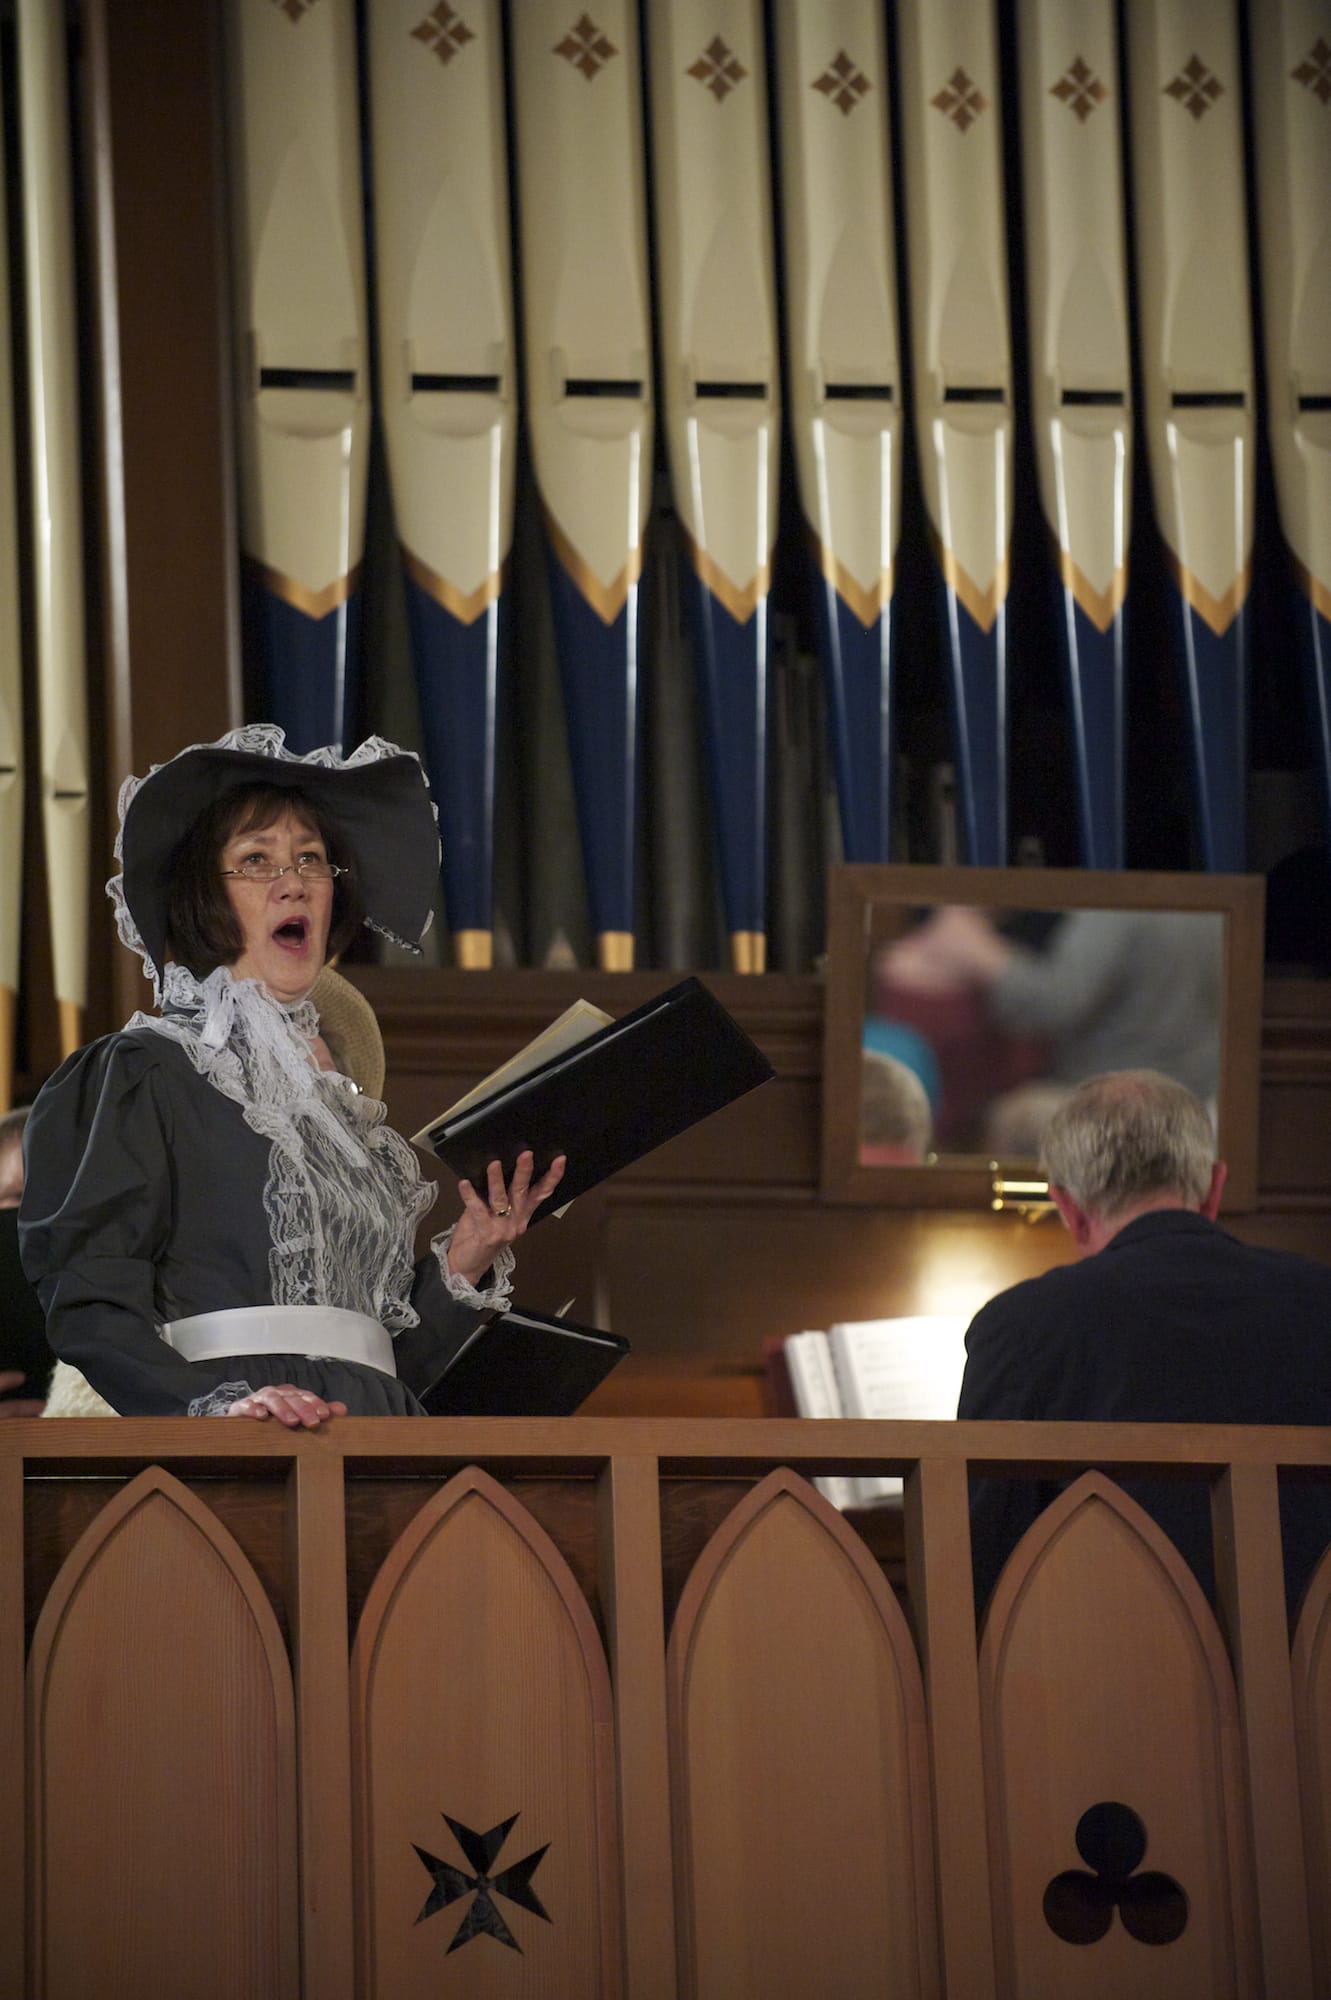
(258, 739)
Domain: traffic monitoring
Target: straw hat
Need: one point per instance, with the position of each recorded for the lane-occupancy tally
(351, 1030)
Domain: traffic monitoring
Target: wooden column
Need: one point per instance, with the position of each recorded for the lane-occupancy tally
(317, 1585)
(938, 1517)
(629, 1534)
(165, 459)
(1250, 1585)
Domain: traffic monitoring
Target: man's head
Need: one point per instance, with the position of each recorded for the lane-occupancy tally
(896, 1124)
(1124, 1144)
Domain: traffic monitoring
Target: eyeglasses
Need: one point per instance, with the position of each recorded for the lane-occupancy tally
(268, 871)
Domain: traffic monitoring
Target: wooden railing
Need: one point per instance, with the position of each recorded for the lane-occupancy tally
(623, 1708)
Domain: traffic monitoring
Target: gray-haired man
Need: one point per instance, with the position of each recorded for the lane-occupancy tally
(1165, 1318)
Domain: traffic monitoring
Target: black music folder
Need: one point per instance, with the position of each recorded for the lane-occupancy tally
(609, 1099)
(524, 1364)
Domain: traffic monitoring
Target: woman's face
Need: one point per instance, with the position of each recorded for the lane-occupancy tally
(284, 923)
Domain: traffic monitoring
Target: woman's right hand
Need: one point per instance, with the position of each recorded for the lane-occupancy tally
(291, 1406)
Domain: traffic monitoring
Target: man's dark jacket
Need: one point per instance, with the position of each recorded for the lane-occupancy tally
(1174, 1321)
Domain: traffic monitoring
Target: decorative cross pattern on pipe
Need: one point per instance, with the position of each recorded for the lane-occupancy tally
(1079, 88)
(586, 47)
(482, 1851)
(718, 68)
(960, 101)
(1314, 72)
(1195, 87)
(1079, 1908)
(444, 31)
(843, 81)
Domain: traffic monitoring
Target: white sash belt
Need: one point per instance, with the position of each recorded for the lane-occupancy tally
(327, 1332)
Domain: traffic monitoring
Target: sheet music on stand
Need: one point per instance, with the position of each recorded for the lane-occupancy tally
(906, 1369)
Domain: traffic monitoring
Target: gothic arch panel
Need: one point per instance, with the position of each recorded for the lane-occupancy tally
(483, 1739)
(1113, 1766)
(162, 1764)
(799, 1763)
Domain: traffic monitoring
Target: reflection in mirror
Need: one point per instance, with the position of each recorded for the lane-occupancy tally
(963, 1003)
(978, 1022)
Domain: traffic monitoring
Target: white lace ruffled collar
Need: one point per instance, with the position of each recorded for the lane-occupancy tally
(344, 1192)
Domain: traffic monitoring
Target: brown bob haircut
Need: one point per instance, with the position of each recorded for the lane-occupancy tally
(201, 926)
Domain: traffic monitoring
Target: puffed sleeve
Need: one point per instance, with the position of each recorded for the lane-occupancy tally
(95, 1216)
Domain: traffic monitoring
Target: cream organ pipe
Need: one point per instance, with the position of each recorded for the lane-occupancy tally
(56, 497)
(720, 384)
(963, 374)
(11, 694)
(302, 394)
(1077, 314)
(1196, 343)
(588, 367)
(1291, 69)
(448, 396)
(845, 374)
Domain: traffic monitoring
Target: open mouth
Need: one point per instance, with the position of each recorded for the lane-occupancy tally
(293, 934)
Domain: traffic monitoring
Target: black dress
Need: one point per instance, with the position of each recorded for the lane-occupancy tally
(149, 1198)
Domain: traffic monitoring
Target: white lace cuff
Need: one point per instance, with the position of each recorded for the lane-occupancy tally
(500, 1292)
(219, 1402)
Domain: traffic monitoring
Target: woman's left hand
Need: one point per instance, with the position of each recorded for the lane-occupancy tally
(490, 1221)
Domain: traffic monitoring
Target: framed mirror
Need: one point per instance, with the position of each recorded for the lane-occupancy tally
(963, 1003)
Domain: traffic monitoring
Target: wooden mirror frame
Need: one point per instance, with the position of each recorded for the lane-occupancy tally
(854, 890)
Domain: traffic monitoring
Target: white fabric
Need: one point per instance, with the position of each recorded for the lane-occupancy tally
(498, 1295)
(344, 1193)
(325, 1332)
(218, 1403)
(72, 1395)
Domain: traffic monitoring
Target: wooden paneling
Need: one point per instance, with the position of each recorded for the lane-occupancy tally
(846, 1830)
(832, 1830)
(482, 1736)
(160, 1725)
(1097, 1644)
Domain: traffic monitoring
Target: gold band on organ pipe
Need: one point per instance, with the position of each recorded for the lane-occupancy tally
(1081, 374)
(448, 388)
(948, 56)
(721, 382)
(588, 375)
